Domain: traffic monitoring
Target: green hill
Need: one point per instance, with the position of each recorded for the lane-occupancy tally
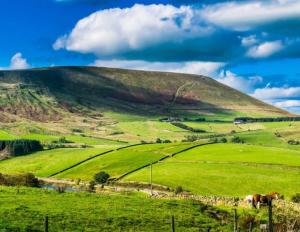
(44, 94)
(116, 104)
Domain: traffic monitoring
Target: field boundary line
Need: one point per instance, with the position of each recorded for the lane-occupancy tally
(161, 159)
(81, 162)
(95, 156)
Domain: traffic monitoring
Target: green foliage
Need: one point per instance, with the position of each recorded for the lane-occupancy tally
(185, 127)
(27, 179)
(293, 142)
(237, 139)
(101, 177)
(223, 140)
(178, 190)
(20, 146)
(296, 198)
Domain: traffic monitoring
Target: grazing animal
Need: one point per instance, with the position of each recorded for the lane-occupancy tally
(257, 199)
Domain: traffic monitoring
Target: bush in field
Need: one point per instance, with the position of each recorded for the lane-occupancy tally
(293, 142)
(20, 146)
(28, 180)
(296, 198)
(101, 177)
(178, 190)
(223, 140)
(158, 140)
(236, 139)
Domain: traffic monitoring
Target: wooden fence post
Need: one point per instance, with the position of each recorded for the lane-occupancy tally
(235, 218)
(250, 226)
(46, 223)
(173, 224)
(270, 224)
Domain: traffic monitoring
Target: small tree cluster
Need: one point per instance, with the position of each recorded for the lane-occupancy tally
(296, 198)
(28, 180)
(101, 177)
(185, 127)
(293, 142)
(158, 140)
(20, 146)
(236, 139)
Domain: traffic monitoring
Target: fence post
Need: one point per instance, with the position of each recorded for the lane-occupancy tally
(270, 224)
(173, 224)
(235, 229)
(46, 223)
(250, 226)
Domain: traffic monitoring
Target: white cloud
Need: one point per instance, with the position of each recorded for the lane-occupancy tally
(265, 49)
(244, 84)
(288, 103)
(246, 15)
(249, 40)
(116, 30)
(193, 67)
(277, 93)
(18, 62)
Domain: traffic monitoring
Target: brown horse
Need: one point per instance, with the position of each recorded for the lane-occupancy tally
(258, 199)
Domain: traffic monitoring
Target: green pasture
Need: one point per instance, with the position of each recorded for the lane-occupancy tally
(24, 209)
(120, 162)
(240, 153)
(45, 163)
(222, 179)
(228, 169)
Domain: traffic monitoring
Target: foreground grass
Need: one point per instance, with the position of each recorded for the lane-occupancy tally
(45, 163)
(25, 209)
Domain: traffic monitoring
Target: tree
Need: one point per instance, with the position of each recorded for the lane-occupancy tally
(101, 177)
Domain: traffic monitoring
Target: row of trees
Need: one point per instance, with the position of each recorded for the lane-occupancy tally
(185, 127)
(278, 119)
(20, 146)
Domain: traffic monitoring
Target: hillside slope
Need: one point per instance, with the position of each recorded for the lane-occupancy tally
(50, 94)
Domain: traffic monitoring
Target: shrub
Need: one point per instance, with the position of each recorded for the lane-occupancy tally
(61, 188)
(296, 198)
(178, 190)
(76, 130)
(92, 185)
(101, 177)
(223, 140)
(185, 127)
(27, 179)
(158, 140)
(293, 142)
(236, 139)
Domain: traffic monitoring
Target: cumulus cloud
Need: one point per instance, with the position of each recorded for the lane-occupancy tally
(244, 84)
(265, 49)
(288, 103)
(270, 93)
(150, 32)
(18, 62)
(112, 30)
(200, 68)
(243, 16)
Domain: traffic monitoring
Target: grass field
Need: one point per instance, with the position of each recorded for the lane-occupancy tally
(45, 163)
(228, 169)
(120, 162)
(25, 209)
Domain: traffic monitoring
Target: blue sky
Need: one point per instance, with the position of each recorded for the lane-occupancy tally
(253, 46)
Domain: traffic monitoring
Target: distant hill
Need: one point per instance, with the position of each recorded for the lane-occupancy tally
(50, 94)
